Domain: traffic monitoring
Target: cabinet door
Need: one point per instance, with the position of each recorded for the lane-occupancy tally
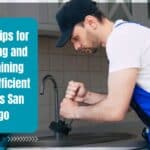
(47, 13)
(22, 10)
(3, 9)
(141, 12)
(43, 13)
(129, 10)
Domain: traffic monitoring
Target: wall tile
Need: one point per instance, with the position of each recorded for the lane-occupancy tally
(44, 113)
(58, 76)
(52, 47)
(70, 63)
(68, 76)
(96, 79)
(43, 45)
(85, 78)
(82, 63)
(95, 64)
(56, 63)
(44, 62)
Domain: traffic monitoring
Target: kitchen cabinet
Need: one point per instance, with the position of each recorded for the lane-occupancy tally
(138, 12)
(45, 13)
(3, 9)
(21, 10)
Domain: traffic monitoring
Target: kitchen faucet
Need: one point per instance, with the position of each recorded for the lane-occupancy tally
(60, 127)
(50, 77)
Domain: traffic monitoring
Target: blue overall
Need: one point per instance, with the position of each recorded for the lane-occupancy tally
(141, 104)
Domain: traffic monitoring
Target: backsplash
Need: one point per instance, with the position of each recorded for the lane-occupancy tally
(65, 65)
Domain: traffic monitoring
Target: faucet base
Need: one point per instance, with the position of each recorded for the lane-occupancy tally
(60, 127)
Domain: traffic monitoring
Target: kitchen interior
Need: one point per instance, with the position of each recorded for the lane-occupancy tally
(57, 66)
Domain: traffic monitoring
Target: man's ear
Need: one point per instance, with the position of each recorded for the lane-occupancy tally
(90, 21)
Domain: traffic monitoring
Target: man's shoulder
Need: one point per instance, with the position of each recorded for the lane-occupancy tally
(128, 31)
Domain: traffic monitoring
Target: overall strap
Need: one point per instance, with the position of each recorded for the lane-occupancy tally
(117, 25)
(124, 22)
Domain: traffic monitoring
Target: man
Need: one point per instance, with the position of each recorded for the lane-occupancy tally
(128, 51)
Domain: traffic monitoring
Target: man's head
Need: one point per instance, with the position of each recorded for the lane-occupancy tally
(79, 21)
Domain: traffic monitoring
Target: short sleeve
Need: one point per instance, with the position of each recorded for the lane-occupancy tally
(123, 51)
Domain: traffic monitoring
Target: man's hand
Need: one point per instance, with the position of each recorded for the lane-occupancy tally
(112, 107)
(68, 108)
(76, 91)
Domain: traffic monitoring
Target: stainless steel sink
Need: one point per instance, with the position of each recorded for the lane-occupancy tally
(75, 140)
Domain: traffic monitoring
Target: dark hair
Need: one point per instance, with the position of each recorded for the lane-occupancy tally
(99, 15)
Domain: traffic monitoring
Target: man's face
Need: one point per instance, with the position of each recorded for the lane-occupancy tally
(84, 39)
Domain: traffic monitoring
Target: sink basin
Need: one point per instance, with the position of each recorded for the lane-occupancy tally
(74, 140)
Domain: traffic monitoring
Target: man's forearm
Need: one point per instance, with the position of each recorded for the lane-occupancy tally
(93, 98)
(103, 111)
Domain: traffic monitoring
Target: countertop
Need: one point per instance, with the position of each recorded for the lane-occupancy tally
(134, 128)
